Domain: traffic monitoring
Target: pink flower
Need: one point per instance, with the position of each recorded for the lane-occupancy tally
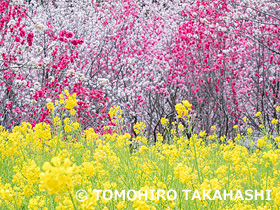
(62, 33)
(61, 39)
(75, 41)
(22, 33)
(69, 35)
(30, 39)
(81, 41)
(17, 39)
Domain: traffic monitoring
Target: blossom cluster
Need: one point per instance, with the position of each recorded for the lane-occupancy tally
(146, 56)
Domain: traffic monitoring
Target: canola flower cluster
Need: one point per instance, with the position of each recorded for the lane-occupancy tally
(43, 167)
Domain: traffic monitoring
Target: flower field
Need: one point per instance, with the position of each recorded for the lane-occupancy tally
(60, 166)
(139, 104)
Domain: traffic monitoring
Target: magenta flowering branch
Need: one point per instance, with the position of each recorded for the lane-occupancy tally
(143, 56)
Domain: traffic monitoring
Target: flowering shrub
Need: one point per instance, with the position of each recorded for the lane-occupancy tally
(144, 56)
(38, 66)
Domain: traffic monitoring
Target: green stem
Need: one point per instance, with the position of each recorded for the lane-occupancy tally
(71, 197)
(58, 136)
(195, 156)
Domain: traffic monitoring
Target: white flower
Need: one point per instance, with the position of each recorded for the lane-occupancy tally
(36, 85)
(12, 22)
(51, 78)
(39, 49)
(47, 60)
(225, 51)
(70, 72)
(18, 2)
(102, 81)
(52, 44)
(34, 61)
(18, 82)
(2, 50)
(39, 27)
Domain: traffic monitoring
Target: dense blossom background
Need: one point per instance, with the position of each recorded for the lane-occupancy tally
(145, 56)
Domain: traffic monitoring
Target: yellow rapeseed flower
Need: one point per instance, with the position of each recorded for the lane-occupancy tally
(274, 121)
(164, 121)
(50, 106)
